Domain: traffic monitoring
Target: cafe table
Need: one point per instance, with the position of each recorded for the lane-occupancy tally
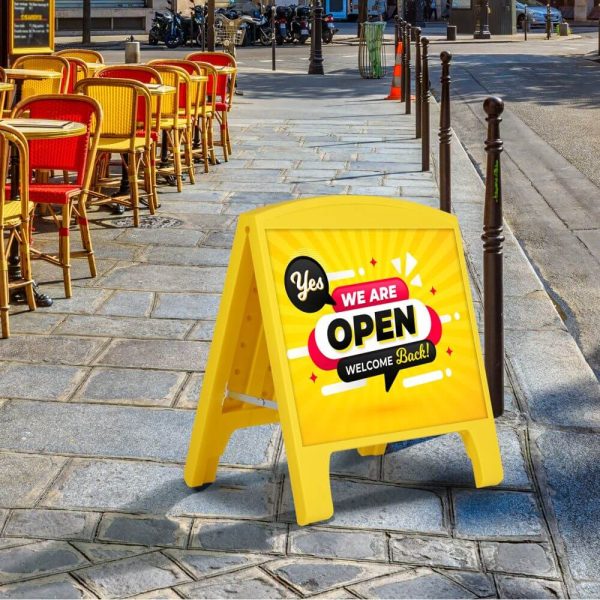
(34, 129)
(19, 76)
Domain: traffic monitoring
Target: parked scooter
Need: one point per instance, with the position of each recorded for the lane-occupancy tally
(194, 27)
(328, 28)
(299, 24)
(283, 29)
(161, 23)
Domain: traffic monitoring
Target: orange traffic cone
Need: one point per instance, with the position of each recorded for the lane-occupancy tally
(396, 88)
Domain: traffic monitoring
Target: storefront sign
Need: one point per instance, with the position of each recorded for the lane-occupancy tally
(349, 320)
(31, 26)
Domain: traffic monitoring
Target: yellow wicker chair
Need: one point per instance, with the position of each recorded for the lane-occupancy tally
(37, 87)
(176, 121)
(15, 217)
(125, 131)
(203, 106)
(88, 56)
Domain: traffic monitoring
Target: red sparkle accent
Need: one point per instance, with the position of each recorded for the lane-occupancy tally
(373, 261)
(449, 351)
(313, 377)
(433, 290)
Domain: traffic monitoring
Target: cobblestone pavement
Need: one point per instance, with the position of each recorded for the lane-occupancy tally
(100, 390)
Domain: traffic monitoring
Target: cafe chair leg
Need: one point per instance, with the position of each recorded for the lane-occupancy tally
(188, 153)
(84, 229)
(133, 185)
(64, 252)
(4, 288)
(24, 240)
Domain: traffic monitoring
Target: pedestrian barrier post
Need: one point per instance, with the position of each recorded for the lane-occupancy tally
(418, 82)
(548, 21)
(493, 289)
(445, 135)
(273, 41)
(525, 23)
(402, 38)
(425, 96)
(406, 69)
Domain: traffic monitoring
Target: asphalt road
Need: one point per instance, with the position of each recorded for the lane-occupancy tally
(551, 134)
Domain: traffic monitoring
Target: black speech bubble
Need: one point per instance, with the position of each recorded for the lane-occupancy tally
(387, 362)
(301, 276)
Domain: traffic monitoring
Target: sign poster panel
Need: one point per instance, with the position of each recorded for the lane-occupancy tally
(379, 335)
(31, 26)
(348, 320)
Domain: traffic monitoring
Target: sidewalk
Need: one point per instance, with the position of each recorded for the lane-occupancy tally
(100, 390)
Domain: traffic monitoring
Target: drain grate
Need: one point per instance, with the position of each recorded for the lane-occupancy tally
(147, 222)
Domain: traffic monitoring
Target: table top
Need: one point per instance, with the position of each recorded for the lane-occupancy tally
(31, 74)
(6, 87)
(157, 89)
(46, 129)
(225, 70)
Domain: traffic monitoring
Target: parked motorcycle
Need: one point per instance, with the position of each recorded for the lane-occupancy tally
(299, 24)
(194, 26)
(160, 24)
(328, 28)
(258, 28)
(283, 29)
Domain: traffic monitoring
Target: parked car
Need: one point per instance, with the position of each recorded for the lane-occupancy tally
(536, 14)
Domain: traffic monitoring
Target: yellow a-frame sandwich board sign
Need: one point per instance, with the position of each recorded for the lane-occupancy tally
(349, 320)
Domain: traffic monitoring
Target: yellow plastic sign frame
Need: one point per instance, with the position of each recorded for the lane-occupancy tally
(248, 379)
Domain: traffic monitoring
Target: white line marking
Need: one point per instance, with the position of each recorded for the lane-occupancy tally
(422, 379)
(340, 275)
(337, 388)
(446, 318)
(297, 352)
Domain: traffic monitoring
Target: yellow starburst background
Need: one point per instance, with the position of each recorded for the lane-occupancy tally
(370, 410)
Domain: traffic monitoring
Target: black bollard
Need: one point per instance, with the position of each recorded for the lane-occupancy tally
(403, 60)
(425, 95)
(525, 23)
(599, 37)
(548, 21)
(315, 66)
(407, 69)
(493, 289)
(418, 82)
(445, 135)
(273, 40)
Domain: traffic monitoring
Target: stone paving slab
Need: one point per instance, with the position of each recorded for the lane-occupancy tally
(24, 477)
(132, 576)
(52, 524)
(56, 586)
(377, 506)
(143, 487)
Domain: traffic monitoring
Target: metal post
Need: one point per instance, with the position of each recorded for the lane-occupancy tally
(273, 44)
(548, 21)
(86, 36)
(493, 301)
(396, 25)
(407, 69)
(526, 23)
(315, 67)
(445, 135)
(210, 26)
(425, 95)
(403, 60)
(482, 29)
(418, 82)
(599, 37)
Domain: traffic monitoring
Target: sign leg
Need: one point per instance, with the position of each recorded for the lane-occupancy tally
(482, 447)
(309, 476)
(376, 450)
